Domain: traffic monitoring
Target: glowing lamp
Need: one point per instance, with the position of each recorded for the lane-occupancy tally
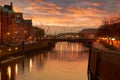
(16, 48)
(113, 39)
(8, 33)
(9, 49)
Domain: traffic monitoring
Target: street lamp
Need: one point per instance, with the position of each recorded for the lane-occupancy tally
(25, 31)
(9, 49)
(16, 32)
(30, 37)
(16, 48)
(8, 33)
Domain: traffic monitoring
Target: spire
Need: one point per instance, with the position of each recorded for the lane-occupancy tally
(11, 4)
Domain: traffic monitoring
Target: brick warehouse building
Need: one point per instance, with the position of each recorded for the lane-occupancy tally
(13, 27)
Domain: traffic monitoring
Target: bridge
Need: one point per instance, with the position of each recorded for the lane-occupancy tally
(71, 37)
(86, 41)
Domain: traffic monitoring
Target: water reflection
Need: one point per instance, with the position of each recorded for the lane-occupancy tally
(72, 52)
(9, 72)
(0, 75)
(67, 61)
(31, 64)
(16, 69)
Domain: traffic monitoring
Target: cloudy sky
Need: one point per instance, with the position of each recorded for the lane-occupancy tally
(66, 15)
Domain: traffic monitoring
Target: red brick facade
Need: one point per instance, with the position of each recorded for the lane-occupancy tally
(13, 27)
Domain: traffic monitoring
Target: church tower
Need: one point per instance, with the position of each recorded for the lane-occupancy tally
(11, 4)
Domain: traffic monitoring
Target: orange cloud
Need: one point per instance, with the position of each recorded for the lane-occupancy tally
(67, 20)
(17, 9)
(84, 12)
(47, 13)
(92, 3)
(70, 13)
(97, 4)
(44, 8)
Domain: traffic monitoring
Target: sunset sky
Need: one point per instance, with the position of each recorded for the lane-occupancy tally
(66, 15)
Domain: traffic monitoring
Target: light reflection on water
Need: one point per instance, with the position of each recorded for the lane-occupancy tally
(9, 72)
(31, 65)
(67, 61)
(16, 69)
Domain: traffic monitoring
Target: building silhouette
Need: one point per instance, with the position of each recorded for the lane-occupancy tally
(13, 27)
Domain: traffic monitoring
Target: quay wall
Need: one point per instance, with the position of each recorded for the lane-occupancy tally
(104, 64)
(15, 50)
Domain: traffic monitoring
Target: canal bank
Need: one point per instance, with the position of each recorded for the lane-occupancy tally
(23, 48)
(103, 63)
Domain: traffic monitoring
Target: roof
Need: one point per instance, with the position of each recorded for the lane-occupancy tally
(19, 15)
(18, 21)
(8, 11)
(29, 22)
(89, 31)
(11, 12)
(9, 7)
(5, 10)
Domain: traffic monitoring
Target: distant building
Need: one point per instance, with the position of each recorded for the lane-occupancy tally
(69, 35)
(88, 33)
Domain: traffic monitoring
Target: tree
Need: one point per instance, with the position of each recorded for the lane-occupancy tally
(39, 32)
(110, 27)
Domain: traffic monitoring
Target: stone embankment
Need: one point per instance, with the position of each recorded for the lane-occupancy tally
(103, 63)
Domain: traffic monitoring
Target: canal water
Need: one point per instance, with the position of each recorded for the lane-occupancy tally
(66, 61)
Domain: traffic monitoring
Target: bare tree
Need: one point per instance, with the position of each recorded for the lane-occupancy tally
(110, 27)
